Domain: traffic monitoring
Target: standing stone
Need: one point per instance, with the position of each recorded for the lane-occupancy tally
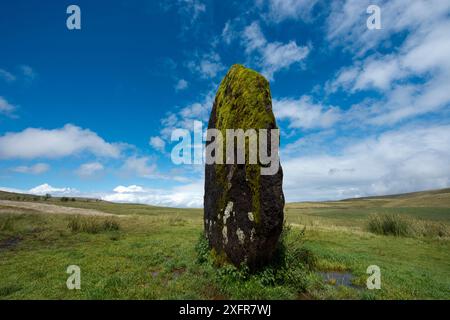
(243, 210)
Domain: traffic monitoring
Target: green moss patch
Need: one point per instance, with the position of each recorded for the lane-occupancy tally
(242, 102)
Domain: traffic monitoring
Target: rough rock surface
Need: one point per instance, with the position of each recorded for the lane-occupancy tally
(243, 210)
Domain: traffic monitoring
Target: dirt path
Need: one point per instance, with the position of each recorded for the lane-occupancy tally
(50, 208)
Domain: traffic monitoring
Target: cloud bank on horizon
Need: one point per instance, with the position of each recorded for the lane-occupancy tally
(362, 112)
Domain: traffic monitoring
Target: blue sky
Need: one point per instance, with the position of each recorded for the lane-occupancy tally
(89, 112)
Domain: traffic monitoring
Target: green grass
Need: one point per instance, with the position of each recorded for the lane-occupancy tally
(153, 253)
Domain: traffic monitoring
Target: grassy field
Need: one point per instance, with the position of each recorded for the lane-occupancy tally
(150, 252)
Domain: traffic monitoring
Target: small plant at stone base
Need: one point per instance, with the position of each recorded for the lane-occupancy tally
(292, 260)
(290, 267)
(202, 249)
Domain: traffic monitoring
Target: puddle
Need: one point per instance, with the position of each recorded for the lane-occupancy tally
(178, 272)
(10, 243)
(338, 278)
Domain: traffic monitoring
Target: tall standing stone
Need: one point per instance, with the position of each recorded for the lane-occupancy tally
(243, 209)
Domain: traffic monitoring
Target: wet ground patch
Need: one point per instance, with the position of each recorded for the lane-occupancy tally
(338, 278)
(10, 242)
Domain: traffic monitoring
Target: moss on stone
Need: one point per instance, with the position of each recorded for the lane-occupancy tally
(242, 102)
(242, 99)
(219, 259)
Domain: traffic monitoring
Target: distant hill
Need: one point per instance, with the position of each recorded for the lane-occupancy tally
(14, 196)
(408, 195)
(431, 198)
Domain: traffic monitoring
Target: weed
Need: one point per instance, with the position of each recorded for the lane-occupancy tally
(401, 226)
(92, 224)
(390, 224)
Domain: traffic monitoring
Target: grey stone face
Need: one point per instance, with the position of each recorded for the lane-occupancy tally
(243, 210)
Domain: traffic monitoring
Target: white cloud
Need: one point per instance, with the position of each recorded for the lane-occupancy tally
(404, 160)
(145, 167)
(46, 188)
(28, 72)
(139, 166)
(7, 76)
(228, 33)
(423, 56)
(279, 10)
(375, 73)
(34, 169)
(347, 22)
(157, 143)
(41, 143)
(89, 169)
(185, 117)
(6, 108)
(181, 85)
(129, 189)
(189, 195)
(273, 56)
(25, 72)
(207, 66)
(253, 37)
(305, 114)
(192, 8)
(189, 11)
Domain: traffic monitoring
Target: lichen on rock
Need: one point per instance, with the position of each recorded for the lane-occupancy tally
(247, 207)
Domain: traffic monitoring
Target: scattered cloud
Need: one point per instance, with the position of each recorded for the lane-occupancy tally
(372, 74)
(188, 10)
(346, 24)
(303, 113)
(208, 65)
(157, 143)
(228, 34)
(7, 108)
(139, 166)
(279, 10)
(28, 72)
(184, 118)
(145, 167)
(192, 8)
(56, 143)
(412, 77)
(7, 76)
(25, 72)
(272, 56)
(34, 169)
(181, 85)
(89, 169)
